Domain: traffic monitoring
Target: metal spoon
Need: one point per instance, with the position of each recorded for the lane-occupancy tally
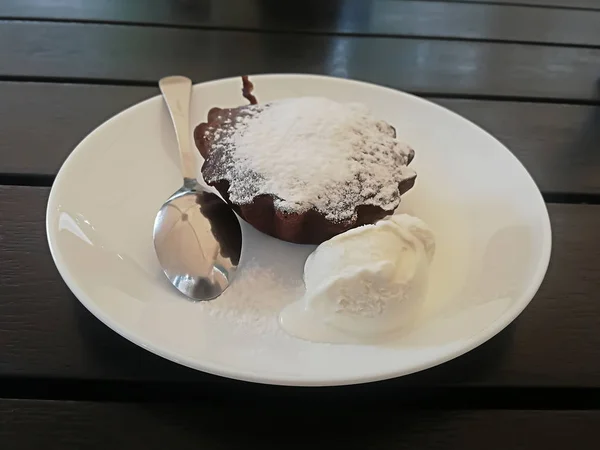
(197, 237)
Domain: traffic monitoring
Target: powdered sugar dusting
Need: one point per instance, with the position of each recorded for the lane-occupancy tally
(254, 301)
(311, 153)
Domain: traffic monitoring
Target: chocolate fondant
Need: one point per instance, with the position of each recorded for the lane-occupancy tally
(306, 227)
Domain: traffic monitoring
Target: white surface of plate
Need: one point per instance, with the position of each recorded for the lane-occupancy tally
(491, 223)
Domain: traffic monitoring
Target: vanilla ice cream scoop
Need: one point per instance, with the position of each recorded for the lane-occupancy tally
(364, 283)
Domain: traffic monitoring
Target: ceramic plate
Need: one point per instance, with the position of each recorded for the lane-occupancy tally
(491, 223)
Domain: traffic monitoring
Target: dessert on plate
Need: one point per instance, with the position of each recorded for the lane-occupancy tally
(310, 170)
(304, 169)
(363, 284)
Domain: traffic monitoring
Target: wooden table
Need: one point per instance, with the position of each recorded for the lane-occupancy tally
(529, 73)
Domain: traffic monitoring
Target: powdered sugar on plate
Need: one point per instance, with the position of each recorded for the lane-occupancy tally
(311, 152)
(254, 300)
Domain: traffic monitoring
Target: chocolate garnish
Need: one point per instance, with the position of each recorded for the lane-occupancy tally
(247, 88)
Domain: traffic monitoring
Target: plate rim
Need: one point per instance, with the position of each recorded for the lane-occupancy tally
(470, 343)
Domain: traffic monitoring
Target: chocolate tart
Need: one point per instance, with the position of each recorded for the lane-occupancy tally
(261, 209)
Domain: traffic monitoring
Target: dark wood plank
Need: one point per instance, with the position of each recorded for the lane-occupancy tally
(40, 123)
(46, 334)
(559, 144)
(86, 425)
(144, 54)
(387, 17)
(585, 4)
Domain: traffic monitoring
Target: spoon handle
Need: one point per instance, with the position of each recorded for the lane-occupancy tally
(177, 92)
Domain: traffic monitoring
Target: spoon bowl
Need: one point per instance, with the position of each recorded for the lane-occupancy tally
(197, 238)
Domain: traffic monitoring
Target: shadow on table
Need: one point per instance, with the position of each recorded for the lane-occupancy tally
(248, 426)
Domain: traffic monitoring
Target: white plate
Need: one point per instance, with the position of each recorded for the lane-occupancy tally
(492, 228)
